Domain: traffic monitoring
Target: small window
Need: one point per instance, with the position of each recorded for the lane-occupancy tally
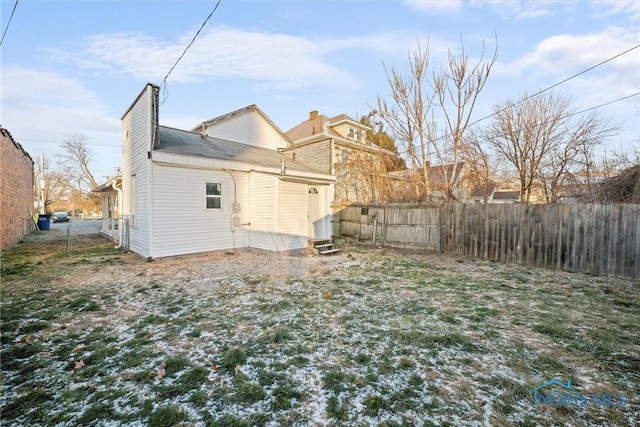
(213, 195)
(352, 133)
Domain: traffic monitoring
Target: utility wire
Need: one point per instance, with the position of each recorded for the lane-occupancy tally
(575, 113)
(602, 105)
(63, 142)
(558, 84)
(164, 81)
(448, 134)
(9, 23)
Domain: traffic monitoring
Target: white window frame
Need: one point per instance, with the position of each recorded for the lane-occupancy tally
(212, 196)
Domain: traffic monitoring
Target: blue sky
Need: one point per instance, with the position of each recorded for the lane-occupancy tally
(73, 67)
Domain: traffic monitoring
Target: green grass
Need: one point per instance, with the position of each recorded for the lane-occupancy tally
(167, 416)
(370, 337)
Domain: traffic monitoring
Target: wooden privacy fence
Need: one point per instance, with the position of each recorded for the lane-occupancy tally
(392, 226)
(594, 239)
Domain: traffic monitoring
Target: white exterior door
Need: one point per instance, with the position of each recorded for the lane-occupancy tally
(314, 212)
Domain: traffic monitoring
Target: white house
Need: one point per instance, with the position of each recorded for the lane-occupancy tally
(224, 187)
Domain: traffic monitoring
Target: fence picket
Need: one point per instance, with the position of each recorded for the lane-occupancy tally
(593, 239)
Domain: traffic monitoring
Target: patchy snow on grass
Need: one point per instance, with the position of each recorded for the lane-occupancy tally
(368, 337)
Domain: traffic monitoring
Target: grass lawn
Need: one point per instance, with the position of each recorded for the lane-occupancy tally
(368, 337)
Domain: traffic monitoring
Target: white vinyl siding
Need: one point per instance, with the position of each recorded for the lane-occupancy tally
(136, 135)
(182, 223)
(278, 214)
(263, 207)
(292, 215)
(248, 128)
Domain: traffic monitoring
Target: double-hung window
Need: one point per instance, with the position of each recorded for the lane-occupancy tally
(213, 195)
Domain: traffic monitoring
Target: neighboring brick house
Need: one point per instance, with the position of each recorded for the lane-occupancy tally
(16, 190)
(338, 146)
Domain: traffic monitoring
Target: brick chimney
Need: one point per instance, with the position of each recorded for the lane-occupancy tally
(313, 114)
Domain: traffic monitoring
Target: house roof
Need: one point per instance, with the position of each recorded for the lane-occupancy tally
(506, 195)
(107, 187)
(244, 110)
(185, 143)
(318, 125)
(437, 172)
(321, 128)
(481, 189)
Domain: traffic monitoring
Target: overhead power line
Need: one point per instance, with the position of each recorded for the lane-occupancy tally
(63, 142)
(603, 105)
(558, 84)
(576, 113)
(164, 81)
(447, 135)
(9, 23)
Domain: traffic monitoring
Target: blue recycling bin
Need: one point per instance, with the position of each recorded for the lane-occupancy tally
(44, 222)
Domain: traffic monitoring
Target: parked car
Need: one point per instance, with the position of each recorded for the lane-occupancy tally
(61, 217)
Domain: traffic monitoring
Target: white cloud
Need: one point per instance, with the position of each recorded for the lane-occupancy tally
(607, 8)
(514, 10)
(42, 108)
(436, 7)
(521, 10)
(560, 57)
(563, 52)
(272, 59)
(45, 105)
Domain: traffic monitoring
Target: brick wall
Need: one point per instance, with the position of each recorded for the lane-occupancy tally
(16, 190)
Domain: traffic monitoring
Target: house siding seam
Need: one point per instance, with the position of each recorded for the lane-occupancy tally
(16, 190)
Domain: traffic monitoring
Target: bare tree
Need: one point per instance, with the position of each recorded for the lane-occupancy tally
(50, 185)
(74, 163)
(419, 98)
(541, 139)
(457, 88)
(482, 165)
(407, 116)
(625, 158)
(74, 166)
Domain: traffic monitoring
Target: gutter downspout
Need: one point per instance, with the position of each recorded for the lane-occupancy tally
(235, 208)
(119, 190)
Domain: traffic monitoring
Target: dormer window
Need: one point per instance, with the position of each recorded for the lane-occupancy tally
(352, 133)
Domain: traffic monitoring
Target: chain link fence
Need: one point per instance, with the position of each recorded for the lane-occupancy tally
(85, 238)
